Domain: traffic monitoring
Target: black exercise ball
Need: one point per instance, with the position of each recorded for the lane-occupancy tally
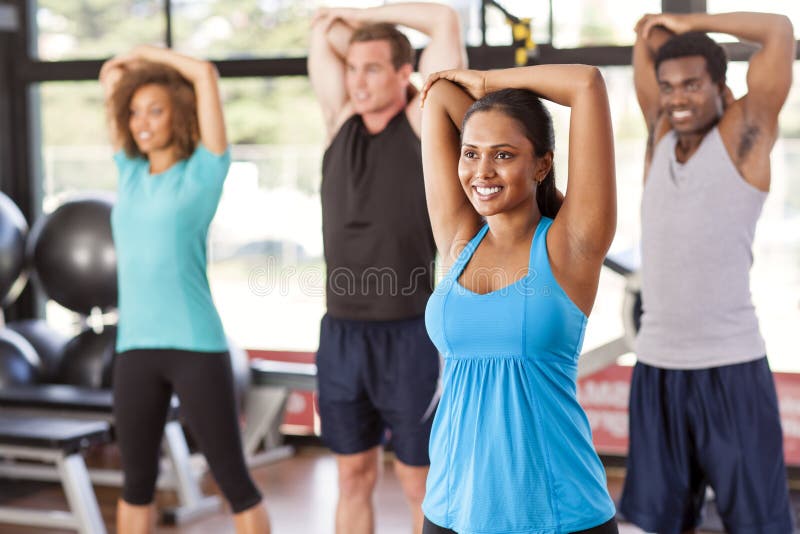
(240, 363)
(13, 229)
(88, 359)
(73, 254)
(19, 364)
(48, 343)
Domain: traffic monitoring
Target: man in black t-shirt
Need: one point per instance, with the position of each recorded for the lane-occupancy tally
(377, 368)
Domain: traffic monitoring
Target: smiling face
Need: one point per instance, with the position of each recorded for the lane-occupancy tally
(689, 97)
(497, 166)
(373, 83)
(150, 120)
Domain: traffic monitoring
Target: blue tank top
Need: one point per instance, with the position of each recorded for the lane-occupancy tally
(511, 449)
(160, 227)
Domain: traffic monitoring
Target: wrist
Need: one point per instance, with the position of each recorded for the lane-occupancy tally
(696, 22)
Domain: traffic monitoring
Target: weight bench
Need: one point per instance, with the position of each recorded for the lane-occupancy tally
(178, 472)
(271, 383)
(58, 442)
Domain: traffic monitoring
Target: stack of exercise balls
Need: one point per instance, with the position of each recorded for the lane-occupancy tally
(70, 254)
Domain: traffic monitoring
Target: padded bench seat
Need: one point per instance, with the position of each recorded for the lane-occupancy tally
(58, 441)
(291, 375)
(62, 402)
(97, 403)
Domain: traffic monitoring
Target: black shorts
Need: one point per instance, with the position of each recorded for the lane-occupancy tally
(692, 428)
(374, 376)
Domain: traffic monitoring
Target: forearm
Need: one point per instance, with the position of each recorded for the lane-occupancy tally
(196, 71)
(562, 84)
(755, 27)
(424, 17)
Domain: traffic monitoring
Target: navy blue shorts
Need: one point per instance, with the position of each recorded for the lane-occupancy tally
(692, 428)
(374, 376)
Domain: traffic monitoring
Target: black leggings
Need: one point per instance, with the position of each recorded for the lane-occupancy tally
(609, 527)
(144, 381)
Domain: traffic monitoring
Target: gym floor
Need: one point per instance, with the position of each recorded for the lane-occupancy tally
(300, 492)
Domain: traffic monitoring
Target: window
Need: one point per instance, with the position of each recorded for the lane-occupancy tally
(221, 29)
(78, 29)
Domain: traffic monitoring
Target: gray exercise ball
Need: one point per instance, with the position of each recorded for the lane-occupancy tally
(13, 230)
(48, 343)
(88, 359)
(73, 254)
(19, 363)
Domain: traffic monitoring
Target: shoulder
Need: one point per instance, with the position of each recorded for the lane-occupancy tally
(129, 167)
(414, 115)
(206, 164)
(347, 116)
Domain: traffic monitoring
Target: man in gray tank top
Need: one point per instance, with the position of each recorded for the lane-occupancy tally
(703, 408)
(377, 368)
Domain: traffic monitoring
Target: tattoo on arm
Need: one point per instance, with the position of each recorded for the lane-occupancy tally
(750, 135)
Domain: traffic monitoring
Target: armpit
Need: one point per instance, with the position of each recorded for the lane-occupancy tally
(750, 135)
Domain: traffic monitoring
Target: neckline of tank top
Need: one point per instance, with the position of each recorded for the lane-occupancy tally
(674, 158)
(508, 286)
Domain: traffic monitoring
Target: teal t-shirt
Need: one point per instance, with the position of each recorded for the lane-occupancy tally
(160, 227)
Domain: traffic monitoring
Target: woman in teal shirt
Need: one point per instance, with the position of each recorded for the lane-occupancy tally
(171, 150)
(511, 448)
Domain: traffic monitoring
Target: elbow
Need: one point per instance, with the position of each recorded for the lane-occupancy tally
(435, 90)
(784, 26)
(591, 79)
(781, 30)
(447, 20)
(781, 34)
(208, 71)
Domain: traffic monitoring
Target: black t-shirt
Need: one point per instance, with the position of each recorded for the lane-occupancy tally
(377, 236)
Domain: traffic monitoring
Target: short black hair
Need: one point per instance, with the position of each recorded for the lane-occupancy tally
(695, 44)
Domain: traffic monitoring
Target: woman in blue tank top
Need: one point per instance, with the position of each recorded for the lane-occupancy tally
(511, 448)
(168, 131)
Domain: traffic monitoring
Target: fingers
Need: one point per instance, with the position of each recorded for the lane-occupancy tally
(112, 64)
(640, 23)
(649, 24)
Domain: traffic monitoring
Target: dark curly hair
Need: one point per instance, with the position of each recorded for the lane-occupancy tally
(185, 128)
(695, 44)
(528, 110)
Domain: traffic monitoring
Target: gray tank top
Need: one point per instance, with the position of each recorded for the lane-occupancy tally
(698, 223)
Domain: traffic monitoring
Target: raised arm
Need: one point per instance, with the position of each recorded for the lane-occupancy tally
(769, 76)
(644, 76)
(444, 51)
(453, 218)
(329, 38)
(587, 218)
(203, 77)
(110, 75)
